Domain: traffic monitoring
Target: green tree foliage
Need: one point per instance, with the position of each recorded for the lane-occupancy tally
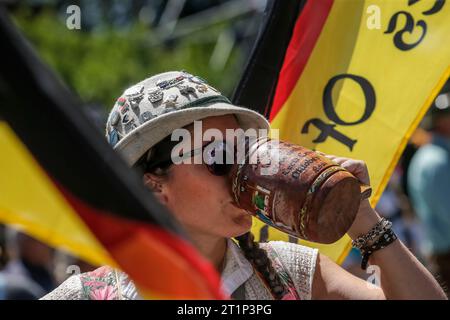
(98, 65)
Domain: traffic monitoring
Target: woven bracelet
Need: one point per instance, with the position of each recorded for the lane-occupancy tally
(380, 228)
(386, 239)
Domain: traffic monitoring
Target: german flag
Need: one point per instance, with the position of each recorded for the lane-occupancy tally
(348, 77)
(63, 183)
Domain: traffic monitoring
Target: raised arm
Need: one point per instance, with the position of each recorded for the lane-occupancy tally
(402, 275)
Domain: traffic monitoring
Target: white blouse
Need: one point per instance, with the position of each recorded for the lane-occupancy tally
(297, 261)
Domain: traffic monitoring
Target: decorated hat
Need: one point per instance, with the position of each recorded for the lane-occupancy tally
(149, 111)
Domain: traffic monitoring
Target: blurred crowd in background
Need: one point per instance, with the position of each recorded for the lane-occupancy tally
(213, 39)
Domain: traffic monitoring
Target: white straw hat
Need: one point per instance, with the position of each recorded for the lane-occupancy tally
(149, 111)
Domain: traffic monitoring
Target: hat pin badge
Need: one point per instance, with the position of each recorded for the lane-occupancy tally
(130, 125)
(147, 115)
(135, 95)
(123, 105)
(166, 84)
(126, 118)
(155, 95)
(113, 137)
(114, 118)
(171, 101)
(197, 80)
(202, 88)
(185, 90)
(134, 91)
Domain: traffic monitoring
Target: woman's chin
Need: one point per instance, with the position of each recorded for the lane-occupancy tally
(240, 219)
(244, 221)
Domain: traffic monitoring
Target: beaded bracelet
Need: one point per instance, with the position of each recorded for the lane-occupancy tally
(380, 228)
(386, 239)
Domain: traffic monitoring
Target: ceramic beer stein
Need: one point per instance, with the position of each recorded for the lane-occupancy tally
(296, 190)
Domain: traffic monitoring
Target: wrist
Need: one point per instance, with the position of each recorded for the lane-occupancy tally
(378, 238)
(365, 219)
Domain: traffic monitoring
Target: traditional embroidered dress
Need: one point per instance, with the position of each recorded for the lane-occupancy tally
(294, 263)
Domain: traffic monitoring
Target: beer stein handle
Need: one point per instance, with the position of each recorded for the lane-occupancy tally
(366, 191)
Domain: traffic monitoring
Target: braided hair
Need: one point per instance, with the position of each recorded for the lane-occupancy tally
(251, 249)
(259, 259)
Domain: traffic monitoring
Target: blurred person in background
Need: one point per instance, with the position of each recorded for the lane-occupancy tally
(3, 255)
(429, 187)
(28, 274)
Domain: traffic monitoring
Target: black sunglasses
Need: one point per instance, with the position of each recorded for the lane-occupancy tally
(218, 156)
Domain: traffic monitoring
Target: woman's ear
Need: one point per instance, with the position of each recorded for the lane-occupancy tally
(157, 186)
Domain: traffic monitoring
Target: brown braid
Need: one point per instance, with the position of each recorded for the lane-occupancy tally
(259, 259)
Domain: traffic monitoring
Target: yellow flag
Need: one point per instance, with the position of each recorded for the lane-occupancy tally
(31, 202)
(356, 80)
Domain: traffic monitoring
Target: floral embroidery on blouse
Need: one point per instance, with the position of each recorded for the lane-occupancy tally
(100, 284)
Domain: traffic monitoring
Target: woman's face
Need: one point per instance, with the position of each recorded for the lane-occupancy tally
(201, 201)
